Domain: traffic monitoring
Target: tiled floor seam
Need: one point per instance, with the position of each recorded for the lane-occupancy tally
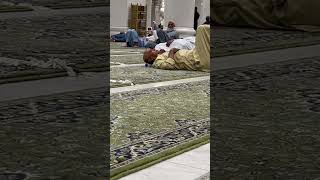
(205, 176)
(157, 84)
(127, 55)
(266, 57)
(187, 165)
(53, 12)
(127, 65)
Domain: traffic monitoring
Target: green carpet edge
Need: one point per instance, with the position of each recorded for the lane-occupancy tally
(15, 10)
(265, 49)
(29, 76)
(157, 158)
(33, 77)
(116, 85)
(71, 6)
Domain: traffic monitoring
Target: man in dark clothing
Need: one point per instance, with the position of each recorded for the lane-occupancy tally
(208, 20)
(121, 37)
(196, 18)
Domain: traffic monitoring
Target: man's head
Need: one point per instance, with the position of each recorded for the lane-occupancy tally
(150, 32)
(171, 24)
(150, 55)
(208, 18)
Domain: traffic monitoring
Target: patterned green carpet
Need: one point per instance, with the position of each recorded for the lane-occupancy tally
(266, 121)
(150, 125)
(58, 44)
(43, 137)
(62, 4)
(13, 8)
(231, 41)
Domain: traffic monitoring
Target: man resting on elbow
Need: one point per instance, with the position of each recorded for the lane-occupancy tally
(180, 59)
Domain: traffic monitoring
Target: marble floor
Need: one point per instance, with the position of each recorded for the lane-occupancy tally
(192, 165)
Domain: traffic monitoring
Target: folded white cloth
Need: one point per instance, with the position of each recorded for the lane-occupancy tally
(186, 43)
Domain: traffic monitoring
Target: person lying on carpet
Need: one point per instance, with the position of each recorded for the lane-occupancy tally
(121, 37)
(196, 59)
(187, 43)
(131, 38)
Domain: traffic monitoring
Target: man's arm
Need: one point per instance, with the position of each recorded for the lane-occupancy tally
(172, 52)
(155, 35)
(169, 42)
(154, 25)
(164, 62)
(161, 51)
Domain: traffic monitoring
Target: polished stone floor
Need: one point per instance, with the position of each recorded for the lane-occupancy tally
(192, 165)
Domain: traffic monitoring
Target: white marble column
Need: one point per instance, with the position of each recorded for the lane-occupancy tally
(157, 13)
(205, 11)
(182, 13)
(149, 12)
(118, 16)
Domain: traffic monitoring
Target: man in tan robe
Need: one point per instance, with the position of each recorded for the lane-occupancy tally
(197, 59)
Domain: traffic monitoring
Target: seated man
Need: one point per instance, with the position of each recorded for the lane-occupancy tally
(196, 59)
(162, 36)
(151, 34)
(171, 31)
(152, 38)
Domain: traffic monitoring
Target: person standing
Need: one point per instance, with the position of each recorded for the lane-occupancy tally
(196, 18)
